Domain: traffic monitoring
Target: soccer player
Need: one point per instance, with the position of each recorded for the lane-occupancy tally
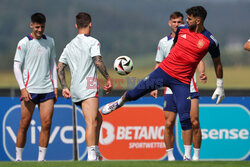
(164, 47)
(247, 45)
(82, 55)
(191, 44)
(35, 54)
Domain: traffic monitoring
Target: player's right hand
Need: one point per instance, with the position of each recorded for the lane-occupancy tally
(108, 87)
(154, 93)
(25, 95)
(203, 78)
(66, 93)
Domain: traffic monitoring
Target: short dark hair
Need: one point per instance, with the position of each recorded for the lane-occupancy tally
(197, 11)
(83, 19)
(175, 15)
(38, 18)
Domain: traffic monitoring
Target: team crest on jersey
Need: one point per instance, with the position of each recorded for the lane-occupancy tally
(19, 47)
(200, 43)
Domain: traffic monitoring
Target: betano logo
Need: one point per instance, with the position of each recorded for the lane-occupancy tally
(225, 132)
(61, 134)
(133, 132)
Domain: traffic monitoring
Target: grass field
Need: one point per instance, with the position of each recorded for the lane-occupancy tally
(128, 164)
(234, 78)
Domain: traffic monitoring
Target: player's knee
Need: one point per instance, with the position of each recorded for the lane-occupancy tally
(91, 123)
(195, 124)
(185, 121)
(169, 124)
(131, 96)
(46, 125)
(24, 124)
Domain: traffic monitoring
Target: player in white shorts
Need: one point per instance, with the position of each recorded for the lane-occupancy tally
(164, 47)
(82, 55)
(35, 72)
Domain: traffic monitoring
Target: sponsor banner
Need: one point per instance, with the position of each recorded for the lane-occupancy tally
(61, 141)
(133, 132)
(225, 132)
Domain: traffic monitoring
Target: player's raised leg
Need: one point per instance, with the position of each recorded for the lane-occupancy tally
(27, 109)
(46, 109)
(153, 81)
(90, 112)
(194, 114)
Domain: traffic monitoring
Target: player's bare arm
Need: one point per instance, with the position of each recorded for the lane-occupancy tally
(61, 76)
(101, 66)
(218, 67)
(219, 91)
(103, 70)
(201, 69)
(247, 45)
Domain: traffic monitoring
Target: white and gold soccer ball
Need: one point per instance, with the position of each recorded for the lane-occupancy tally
(123, 65)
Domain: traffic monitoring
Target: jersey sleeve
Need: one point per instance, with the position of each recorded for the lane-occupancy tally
(95, 49)
(63, 57)
(53, 50)
(214, 47)
(20, 51)
(160, 52)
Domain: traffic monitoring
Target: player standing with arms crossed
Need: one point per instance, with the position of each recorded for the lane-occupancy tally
(191, 44)
(35, 54)
(164, 47)
(82, 55)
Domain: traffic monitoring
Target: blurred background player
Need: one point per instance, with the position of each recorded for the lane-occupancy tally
(191, 44)
(247, 45)
(82, 55)
(163, 49)
(35, 54)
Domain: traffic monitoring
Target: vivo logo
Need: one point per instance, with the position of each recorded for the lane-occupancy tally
(61, 134)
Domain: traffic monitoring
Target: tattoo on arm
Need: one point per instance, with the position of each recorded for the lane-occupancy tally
(101, 66)
(61, 74)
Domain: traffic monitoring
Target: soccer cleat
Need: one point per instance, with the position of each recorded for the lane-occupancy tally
(185, 158)
(108, 108)
(195, 158)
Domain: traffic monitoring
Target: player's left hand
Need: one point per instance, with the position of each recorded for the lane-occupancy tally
(108, 87)
(203, 78)
(219, 91)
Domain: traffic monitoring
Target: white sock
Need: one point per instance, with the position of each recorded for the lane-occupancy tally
(41, 154)
(120, 102)
(188, 151)
(19, 152)
(170, 154)
(196, 154)
(92, 153)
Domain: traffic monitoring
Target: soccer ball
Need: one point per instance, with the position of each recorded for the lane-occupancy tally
(123, 65)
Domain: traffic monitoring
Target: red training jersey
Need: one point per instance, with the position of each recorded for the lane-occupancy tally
(189, 48)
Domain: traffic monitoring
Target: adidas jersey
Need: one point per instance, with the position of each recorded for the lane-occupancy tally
(163, 50)
(78, 56)
(36, 56)
(189, 48)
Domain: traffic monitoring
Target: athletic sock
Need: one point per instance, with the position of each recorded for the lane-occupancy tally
(41, 154)
(92, 153)
(19, 152)
(170, 154)
(196, 154)
(188, 151)
(120, 102)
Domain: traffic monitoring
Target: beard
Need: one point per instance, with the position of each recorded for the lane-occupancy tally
(192, 27)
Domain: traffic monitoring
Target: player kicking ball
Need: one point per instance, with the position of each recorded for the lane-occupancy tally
(191, 44)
